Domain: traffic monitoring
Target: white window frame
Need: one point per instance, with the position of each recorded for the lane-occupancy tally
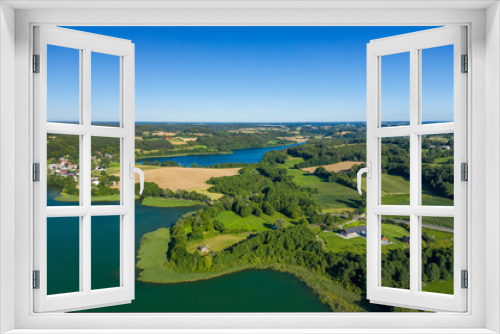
(414, 43)
(86, 44)
(483, 100)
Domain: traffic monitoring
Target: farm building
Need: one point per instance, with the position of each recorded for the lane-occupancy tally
(203, 249)
(352, 232)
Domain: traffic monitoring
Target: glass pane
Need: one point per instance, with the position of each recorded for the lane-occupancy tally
(395, 167)
(63, 255)
(395, 248)
(105, 89)
(105, 247)
(437, 170)
(437, 84)
(63, 172)
(105, 171)
(395, 89)
(63, 84)
(437, 254)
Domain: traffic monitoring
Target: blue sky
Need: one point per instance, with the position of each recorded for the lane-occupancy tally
(250, 74)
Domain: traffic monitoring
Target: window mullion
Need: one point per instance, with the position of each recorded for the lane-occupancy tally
(85, 171)
(415, 180)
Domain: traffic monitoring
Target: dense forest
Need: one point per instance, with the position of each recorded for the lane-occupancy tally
(267, 188)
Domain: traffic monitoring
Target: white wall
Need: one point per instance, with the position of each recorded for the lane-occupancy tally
(492, 166)
(7, 157)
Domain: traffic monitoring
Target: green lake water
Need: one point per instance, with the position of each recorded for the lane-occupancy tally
(247, 291)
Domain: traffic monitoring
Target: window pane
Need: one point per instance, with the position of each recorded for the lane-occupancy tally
(63, 84)
(105, 171)
(395, 249)
(437, 254)
(105, 247)
(395, 168)
(437, 170)
(63, 170)
(437, 84)
(395, 89)
(63, 255)
(105, 89)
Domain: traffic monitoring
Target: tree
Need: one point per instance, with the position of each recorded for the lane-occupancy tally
(219, 226)
(279, 223)
(258, 212)
(433, 272)
(303, 221)
(245, 211)
(268, 208)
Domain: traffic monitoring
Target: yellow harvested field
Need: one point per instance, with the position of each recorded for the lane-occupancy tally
(338, 167)
(296, 139)
(184, 178)
(187, 139)
(181, 141)
(163, 134)
(177, 143)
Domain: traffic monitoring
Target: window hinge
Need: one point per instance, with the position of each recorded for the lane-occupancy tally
(36, 279)
(465, 171)
(36, 63)
(465, 279)
(36, 172)
(465, 64)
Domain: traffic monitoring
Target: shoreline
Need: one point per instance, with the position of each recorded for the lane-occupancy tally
(152, 270)
(211, 153)
(183, 155)
(76, 198)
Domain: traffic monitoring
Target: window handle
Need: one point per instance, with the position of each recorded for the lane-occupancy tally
(368, 172)
(134, 170)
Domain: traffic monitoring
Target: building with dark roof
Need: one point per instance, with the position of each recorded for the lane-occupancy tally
(356, 231)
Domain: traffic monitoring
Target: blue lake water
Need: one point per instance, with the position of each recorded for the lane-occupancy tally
(248, 155)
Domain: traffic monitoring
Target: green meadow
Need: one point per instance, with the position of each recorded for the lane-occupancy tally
(233, 221)
(168, 202)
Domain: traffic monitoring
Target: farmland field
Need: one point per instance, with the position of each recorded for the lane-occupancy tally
(233, 221)
(175, 178)
(217, 243)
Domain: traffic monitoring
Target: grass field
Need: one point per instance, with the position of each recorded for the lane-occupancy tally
(251, 223)
(439, 287)
(331, 194)
(335, 243)
(442, 160)
(76, 198)
(396, 199)
(394, 184)
(217, 243)
(293, 161)
(436, 200)
(151, 255)
(438, 221)
(394, 233)
(168, 202)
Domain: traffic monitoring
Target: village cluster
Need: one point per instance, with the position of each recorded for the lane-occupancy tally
(66, 168)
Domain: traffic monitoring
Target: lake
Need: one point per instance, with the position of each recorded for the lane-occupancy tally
(247, 291)
(248, 155)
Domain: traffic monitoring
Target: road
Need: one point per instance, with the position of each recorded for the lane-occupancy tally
(401, 222)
